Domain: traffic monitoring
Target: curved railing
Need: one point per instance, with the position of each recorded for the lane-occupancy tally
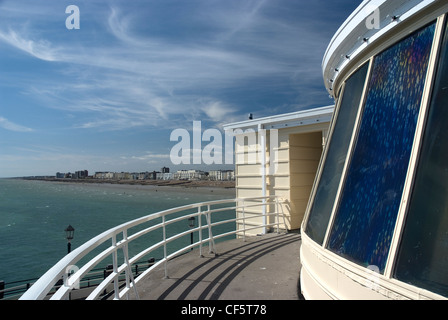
(209, 215)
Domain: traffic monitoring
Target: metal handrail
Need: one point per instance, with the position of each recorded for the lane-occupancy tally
(46, 283)
(15, 289)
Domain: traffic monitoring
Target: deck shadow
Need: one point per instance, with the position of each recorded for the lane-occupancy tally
(227, 266)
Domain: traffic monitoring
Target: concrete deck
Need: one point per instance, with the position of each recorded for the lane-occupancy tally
(262, 268)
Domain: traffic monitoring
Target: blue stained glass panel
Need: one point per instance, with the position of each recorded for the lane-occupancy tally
(366, 215)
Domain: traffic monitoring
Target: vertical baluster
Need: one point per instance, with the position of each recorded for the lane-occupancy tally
(128, 271)
(164, 247)
(276, 214)
(244, 222)
(126, 261)
(200, 231)
(65, 283)
(115, 266)
(211, 241)
(283, 214)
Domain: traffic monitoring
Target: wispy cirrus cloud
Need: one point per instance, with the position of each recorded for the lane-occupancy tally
(154, 74)
(40, 49)
(11, 126)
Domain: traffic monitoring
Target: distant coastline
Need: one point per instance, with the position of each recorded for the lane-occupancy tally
(156, 183)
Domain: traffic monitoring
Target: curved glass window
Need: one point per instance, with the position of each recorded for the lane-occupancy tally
(369, 202)
(423, 255)
(320, 211)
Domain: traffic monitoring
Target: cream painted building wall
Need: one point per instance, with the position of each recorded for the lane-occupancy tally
(292, 154)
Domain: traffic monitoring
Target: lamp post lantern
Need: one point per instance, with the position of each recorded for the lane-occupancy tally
(69, 233)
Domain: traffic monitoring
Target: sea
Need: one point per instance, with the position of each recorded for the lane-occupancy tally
(34, 215)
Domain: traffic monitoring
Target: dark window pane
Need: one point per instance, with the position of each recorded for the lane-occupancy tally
(337, 151)
(423, 254)
(366, 215)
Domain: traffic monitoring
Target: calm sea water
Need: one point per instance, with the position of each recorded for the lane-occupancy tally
(34, 214)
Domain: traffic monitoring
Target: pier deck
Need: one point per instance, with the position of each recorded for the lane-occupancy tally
(262, 268)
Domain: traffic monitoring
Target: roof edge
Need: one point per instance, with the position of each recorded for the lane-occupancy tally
(373, 25)
(321, 114)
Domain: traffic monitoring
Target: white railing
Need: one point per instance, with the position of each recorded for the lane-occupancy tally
(70, 270)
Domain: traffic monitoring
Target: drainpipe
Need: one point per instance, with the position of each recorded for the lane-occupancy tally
(262, 135)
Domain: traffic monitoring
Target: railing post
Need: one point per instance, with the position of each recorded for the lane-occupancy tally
(126, 261)
(244, 221)
(265, 217)
(115, 266)
(65, 281)
(211, 241)
(200, 231)
(276, 213)
(283, 216)
(128, 272)
(164, 247)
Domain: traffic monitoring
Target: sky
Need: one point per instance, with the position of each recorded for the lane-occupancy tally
(107, 94)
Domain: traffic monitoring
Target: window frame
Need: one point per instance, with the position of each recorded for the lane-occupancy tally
(441, 31)
(329, 142)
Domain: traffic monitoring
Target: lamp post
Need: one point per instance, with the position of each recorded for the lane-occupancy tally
(69, 233)
(191, 224)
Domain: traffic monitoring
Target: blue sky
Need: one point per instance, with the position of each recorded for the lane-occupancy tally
(106, 96)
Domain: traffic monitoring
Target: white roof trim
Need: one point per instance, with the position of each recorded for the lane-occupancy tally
(287, 120)
(353, 37)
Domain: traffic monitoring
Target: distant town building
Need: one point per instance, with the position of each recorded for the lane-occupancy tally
(189, 175)
(80, 174)
(165, 170)
(122, 176)
(143, 176)
(103, 175)
(60, 175)
(83, 174)
(167, 176)
(164, 174)
(221, 175)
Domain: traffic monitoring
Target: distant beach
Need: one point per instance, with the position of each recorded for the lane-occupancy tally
(225, 187)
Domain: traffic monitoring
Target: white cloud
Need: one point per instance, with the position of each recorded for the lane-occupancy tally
(150, 156)
(40, 49)
(8, 125)
(217, 110)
